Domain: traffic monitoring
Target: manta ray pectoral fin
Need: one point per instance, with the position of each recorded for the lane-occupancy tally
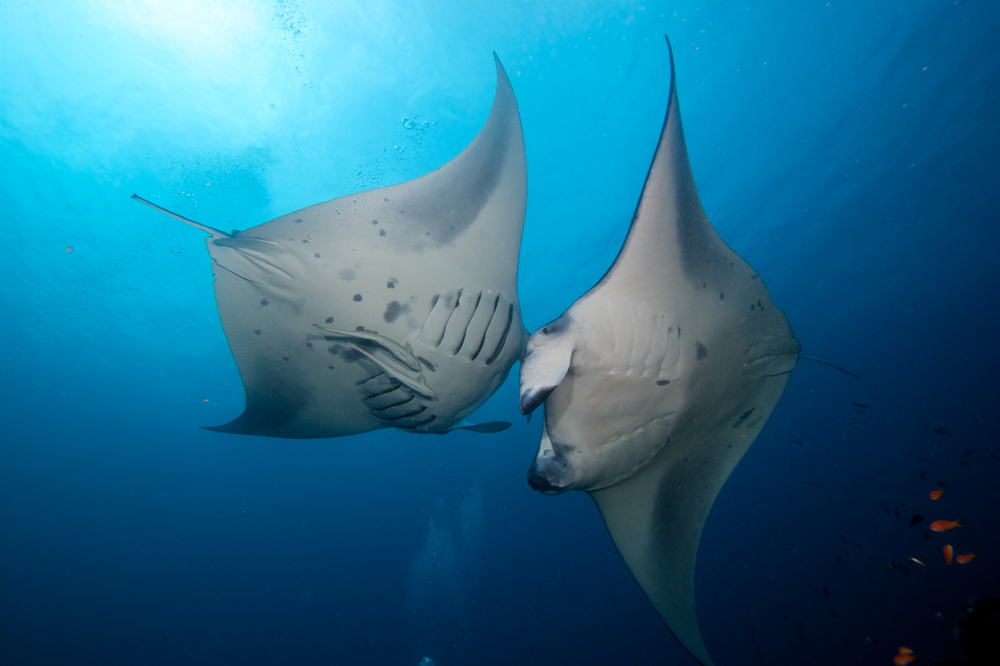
(396, 360)
(656, 516)
(660, 553)
(486, 428)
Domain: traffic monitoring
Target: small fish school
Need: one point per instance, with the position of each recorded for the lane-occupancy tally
(904, 656)
(944, 525)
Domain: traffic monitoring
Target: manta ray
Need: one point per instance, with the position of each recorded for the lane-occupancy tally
(657, 381)
(395, 307)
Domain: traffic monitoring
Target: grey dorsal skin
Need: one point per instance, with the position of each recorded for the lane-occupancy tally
(394, 307)
(656, 382)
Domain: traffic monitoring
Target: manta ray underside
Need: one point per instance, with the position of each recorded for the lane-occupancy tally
(394, 307)
(657, 380)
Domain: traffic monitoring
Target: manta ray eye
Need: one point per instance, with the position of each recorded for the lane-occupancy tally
(556, 326)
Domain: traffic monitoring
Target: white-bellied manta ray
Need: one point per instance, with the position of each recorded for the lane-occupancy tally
(394, 307)
(657, 380)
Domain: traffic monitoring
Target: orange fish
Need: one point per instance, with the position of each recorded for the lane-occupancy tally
(936, 494)
(949, 554)
(965, 559)
(904, 657)
(905, 650)
(944, 525)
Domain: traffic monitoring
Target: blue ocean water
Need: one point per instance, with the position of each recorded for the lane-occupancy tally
(849, 151)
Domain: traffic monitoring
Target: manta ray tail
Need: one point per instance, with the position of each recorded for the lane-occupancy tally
(832, 365)
(486, 428)
(196, 225)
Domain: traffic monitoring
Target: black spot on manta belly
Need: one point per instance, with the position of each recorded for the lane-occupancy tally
(374, 222)
(700, 351)
(722, 297)
(256, 331)
(346, 274)
(329, 320)
(298, 220)
(347, 355)
(393, 310)
(357, 298)
(744, 417)
(662, 382)
(263, 301)
(381, 232)
(390, 285)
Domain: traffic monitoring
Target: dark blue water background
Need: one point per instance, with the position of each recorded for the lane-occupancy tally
(850, 151)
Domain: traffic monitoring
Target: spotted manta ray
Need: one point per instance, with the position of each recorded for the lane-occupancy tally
(657, 380)
(396, 307)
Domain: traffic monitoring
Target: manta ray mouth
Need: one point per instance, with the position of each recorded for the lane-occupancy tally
(541, 484)
(541, 477)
